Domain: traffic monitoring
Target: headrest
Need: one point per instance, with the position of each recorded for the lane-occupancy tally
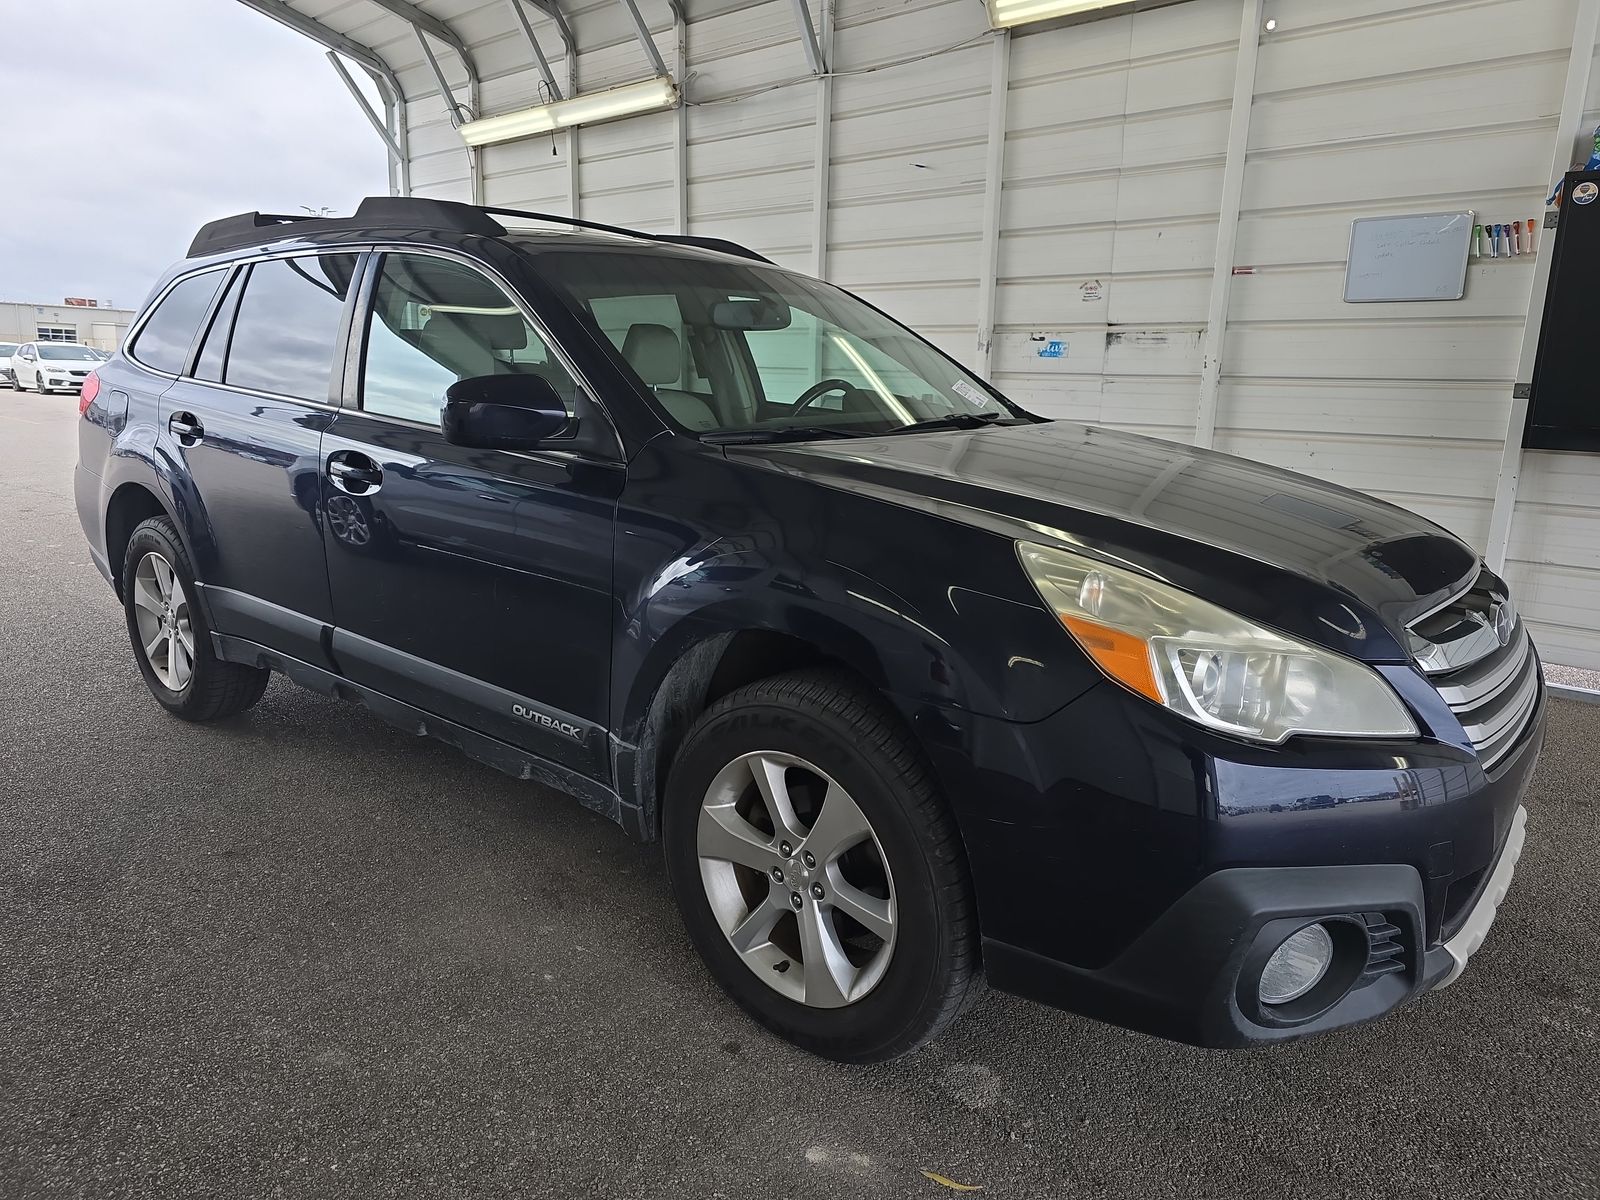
(652, 351)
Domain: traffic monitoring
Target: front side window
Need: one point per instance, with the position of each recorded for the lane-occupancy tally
(287, 325)
(435, 321)
(731, 347)
(163, 343)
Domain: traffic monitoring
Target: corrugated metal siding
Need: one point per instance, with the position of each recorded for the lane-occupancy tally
(1115, 139)
(1373, 108)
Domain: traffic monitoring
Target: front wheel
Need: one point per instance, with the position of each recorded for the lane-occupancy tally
(169, 634)
(819, 873)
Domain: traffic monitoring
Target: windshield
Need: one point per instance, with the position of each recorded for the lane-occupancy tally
(733, 348)
(67, 354)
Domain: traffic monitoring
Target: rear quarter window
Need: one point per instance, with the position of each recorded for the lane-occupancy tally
(164, 340)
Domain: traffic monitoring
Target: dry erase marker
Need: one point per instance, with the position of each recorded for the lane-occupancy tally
(1516, 237)
(1477, 241)
(1530, 235)
(1494, 241)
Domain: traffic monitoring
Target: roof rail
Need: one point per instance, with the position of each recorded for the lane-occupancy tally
(416, 212)
(721, 245)
(240, 230)
(375, 212)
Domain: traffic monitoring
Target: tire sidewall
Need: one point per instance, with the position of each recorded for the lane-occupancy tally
(910, 991)
(156, 535)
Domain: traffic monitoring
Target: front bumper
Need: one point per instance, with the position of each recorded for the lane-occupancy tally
(1453, 955)
(1192, 975)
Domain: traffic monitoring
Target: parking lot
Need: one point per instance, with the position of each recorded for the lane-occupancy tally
(304, 954)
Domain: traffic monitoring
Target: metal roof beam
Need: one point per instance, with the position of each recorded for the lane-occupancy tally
(331, 40)
(428, 23)
(538, 51)
(366, 107)
(552, 9)
(808, 39)
(648, 43)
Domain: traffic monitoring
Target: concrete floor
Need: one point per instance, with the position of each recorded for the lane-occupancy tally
(301, 955)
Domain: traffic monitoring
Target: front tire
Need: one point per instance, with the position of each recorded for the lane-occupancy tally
(819, 872)
(171, 641)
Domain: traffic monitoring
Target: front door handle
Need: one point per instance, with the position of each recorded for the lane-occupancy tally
(354, 473)
(186, 428)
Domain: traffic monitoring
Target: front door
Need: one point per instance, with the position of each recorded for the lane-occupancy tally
(474, 584)
(247, 421)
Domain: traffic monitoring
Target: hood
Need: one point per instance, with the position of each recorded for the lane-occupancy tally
(1317, 560)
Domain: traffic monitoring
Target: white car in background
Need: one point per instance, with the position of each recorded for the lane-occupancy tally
(7, 349)
(52, 366)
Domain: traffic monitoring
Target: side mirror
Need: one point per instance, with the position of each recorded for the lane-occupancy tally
(502, 412)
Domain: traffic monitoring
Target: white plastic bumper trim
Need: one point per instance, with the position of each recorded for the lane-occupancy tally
(1476, 927)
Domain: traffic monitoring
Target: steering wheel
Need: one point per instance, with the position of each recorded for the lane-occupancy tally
(820, 389)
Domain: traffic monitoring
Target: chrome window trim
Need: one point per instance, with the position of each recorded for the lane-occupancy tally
(551, 344)
(375, 247)
(357, 248)
(225, 269)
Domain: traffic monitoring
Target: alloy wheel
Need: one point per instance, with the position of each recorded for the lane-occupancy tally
(161, 612)
(797, 879)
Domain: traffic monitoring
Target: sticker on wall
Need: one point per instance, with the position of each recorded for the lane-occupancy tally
(1092, 290)
(1046, 346)
(1585, 193)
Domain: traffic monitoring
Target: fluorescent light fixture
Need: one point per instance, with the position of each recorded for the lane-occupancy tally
(651, 95)
(1005, 13)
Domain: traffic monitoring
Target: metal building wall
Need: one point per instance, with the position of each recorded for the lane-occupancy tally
(1087, 164)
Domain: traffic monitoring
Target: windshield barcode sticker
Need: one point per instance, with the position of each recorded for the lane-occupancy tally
(971, 394)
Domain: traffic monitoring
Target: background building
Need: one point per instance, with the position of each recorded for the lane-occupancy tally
(95, 326)
(1164, 191)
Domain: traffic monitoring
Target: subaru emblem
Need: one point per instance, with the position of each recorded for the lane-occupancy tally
(1504, 620)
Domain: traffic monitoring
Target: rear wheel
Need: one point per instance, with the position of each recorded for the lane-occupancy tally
(819, 873)
(170, 640)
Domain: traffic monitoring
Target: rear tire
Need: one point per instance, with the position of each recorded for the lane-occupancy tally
(802, 743)
(171, 641)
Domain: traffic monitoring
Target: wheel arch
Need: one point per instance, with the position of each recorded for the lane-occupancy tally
(130, 504)
(701, 674)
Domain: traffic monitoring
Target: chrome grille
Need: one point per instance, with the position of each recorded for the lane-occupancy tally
(1477, 652)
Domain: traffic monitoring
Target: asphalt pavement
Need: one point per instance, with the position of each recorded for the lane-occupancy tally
(301, 954)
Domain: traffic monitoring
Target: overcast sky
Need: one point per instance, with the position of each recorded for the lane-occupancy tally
(129, 123)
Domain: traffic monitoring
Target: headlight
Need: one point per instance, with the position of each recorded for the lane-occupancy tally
(1206, 663)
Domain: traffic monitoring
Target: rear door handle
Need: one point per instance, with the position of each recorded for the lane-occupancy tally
(186, 428)
(354, 473)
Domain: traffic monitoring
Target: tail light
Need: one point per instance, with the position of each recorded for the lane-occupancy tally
(87, 393)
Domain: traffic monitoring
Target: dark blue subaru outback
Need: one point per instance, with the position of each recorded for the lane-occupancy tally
(915, 687)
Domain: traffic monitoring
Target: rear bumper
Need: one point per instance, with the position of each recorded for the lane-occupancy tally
(1192, 975)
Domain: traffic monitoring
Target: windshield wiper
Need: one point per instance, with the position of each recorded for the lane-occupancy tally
(953, 421)
(787, 433)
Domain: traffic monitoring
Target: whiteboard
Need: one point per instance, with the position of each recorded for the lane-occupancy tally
(1420, 257)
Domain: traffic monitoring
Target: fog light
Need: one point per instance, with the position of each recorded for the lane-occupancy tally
(1297, 965)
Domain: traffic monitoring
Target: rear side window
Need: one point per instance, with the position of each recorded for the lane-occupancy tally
(288, 325)
(164, 341)
(215, 347)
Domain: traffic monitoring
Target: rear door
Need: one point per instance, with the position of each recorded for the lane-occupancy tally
(245, 428)
(475, 584)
